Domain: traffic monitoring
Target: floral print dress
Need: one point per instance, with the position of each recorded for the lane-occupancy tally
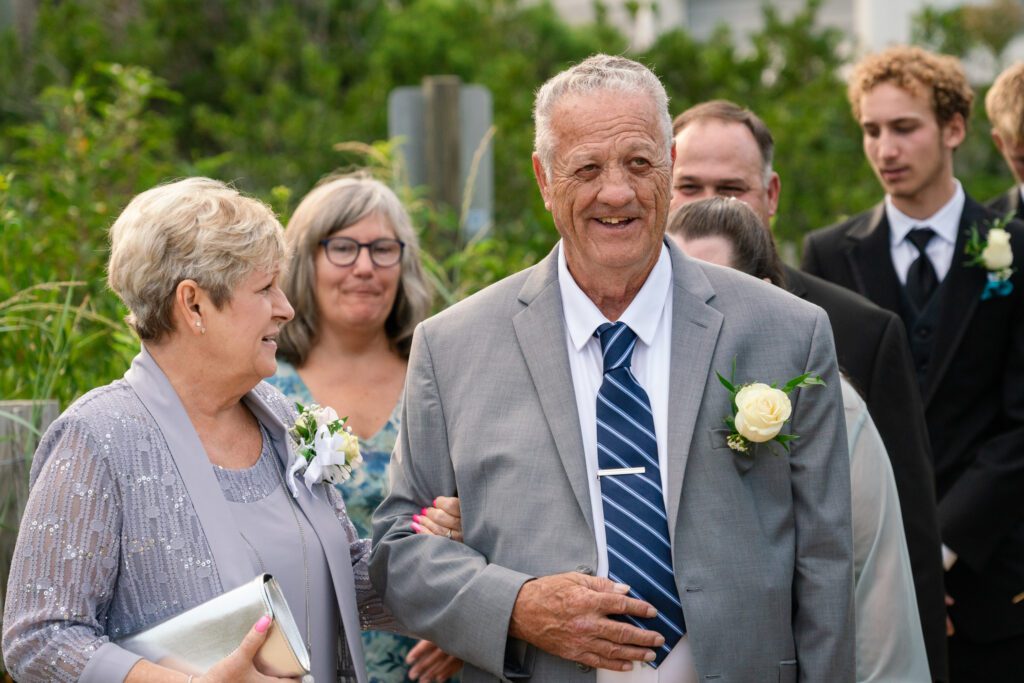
(363, 492)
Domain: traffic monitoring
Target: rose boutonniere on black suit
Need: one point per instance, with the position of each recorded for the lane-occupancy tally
(993, 253)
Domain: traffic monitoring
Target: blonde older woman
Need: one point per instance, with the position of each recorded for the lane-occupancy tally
(359, 290)
(166, 488)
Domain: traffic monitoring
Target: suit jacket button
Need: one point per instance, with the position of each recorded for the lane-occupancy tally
(584, 569)
(583, 667)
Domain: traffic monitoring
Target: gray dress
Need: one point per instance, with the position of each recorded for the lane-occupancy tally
(126, 525)
(263, 512)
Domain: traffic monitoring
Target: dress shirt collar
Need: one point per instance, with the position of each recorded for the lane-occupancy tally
(642, 315)
(945, 222)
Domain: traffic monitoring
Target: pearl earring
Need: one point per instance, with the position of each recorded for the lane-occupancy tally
(199, 324)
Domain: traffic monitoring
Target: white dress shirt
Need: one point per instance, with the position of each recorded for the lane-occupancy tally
(649, 315)
(945, 222)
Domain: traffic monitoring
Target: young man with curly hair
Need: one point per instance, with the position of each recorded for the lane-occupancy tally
(910, 254)
(1004, 104)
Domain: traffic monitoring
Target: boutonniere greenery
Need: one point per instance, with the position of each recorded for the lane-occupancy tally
(325, 449)
(994, 254)
(759, 410)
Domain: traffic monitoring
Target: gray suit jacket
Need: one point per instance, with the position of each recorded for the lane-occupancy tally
(761, 543)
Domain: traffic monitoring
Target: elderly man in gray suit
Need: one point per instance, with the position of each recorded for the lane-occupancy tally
(575, 410)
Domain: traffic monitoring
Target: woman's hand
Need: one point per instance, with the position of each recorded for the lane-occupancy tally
(239, 665)
(431, 664)
(443, 519)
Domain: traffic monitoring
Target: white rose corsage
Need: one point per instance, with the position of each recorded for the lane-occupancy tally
(325, 448)
(759, 410)
(994, 254)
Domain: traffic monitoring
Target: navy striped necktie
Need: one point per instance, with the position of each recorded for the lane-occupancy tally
(636, 526)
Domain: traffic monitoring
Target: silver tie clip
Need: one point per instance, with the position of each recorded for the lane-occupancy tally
(618, 471)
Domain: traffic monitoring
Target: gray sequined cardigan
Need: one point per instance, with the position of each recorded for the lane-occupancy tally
(126, 526)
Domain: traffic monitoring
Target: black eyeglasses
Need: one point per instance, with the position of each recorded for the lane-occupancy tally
(343, 251)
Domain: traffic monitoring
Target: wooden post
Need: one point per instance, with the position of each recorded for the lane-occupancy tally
(441, 143)
(17, 443)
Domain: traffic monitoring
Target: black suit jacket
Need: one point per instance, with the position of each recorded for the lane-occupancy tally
(872, 350)
(974, 406)
(1008, 202)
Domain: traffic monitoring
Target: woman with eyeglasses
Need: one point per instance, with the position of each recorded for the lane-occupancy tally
(358, 289)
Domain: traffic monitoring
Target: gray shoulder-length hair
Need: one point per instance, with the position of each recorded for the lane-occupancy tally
(334, 204)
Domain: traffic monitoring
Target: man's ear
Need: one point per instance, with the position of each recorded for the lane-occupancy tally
(542, 179)
(998, 140)
(774, 190)
(954, 132)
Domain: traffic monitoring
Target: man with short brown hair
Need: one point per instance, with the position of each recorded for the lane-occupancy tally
(1004, 104)
(964, 314)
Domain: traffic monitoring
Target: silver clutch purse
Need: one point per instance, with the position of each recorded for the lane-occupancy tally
(195, 640)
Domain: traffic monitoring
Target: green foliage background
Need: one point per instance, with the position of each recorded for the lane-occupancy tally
(101, 99)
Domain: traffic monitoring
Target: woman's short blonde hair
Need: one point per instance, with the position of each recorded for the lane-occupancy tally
(334, 204)
(192, 229)
(939, 77)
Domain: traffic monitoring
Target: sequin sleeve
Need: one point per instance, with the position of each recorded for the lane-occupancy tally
(373, 615)
(65, 565)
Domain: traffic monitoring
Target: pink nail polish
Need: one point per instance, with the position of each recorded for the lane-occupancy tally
(417, 528)
(417, 518)
(423, 511)
(263, 624)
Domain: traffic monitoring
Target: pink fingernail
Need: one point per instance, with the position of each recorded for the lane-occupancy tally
(263, 624)
(417, 518)
(417, 528)
(423, 511)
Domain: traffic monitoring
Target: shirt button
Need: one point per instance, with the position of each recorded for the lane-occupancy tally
(583, 667)
(584, 569)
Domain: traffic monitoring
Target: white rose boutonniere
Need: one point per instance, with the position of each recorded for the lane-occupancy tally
(760, 410)
(994, 254)
(326, 450)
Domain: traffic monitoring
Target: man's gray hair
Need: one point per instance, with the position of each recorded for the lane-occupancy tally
(599, 72)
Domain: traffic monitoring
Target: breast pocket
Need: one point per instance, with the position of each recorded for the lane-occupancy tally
(743, 461)
(787, 671)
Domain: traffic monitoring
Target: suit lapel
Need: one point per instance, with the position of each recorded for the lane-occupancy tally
(961, 292)
(695, 328)
(870, 257)
(540, 331)
(328, 529)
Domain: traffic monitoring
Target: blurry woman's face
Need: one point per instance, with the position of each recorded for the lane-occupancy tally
(360, 296)
(714, 249)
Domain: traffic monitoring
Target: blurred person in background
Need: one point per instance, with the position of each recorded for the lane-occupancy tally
(358, 288)
(890, 646)
(1004, 104)
(723, 149)
(913, 253)
(166, 488)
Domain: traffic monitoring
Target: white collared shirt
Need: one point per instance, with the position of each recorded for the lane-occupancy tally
(945, 222)
(649, 315)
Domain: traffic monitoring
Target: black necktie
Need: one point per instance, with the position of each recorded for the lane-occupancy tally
(921, 278)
